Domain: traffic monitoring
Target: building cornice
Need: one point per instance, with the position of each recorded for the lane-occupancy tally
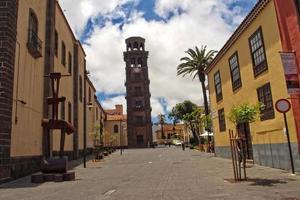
(260, 5)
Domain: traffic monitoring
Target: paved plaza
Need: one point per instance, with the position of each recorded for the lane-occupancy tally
(161, 173)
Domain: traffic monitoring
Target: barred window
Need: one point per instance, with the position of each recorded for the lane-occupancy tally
(235, 71)
(222, 122)
(70, 63)
(258, 52)
(62, 110)
(265, 97)
(63, 53)
(218, 86)
(56, 43)
(70, 112)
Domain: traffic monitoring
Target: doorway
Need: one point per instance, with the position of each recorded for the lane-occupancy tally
(244, 131)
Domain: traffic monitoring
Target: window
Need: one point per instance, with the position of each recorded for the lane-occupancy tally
(63, 53)
(222, 122)
(56, 43)
(80, 88)
(297, 2)
(139, 139)
(62, 110)
(258, 52)
(235, 71)
(218, 86)
(265, 97)
(69, 112)
(90, 96)
(70, 63)
(116, 129)
(96, 113)
(34, 44)
(138, 104)
(137, 76)
(139, 119)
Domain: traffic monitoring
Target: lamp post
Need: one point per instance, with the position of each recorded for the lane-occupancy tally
(121, 130)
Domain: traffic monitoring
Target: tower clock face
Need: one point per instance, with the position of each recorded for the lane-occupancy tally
(136, 70)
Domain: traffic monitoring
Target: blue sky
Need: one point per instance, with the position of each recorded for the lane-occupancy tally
(169, 27)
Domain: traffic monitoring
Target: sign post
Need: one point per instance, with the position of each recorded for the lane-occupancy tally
(283, 106)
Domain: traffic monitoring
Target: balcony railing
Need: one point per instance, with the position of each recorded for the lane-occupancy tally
(34, 44)
(138, 108)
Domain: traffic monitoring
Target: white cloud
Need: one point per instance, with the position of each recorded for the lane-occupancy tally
(80, 11)
(201, 23)
(111, 102)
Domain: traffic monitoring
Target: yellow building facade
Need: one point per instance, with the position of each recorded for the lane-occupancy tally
(38, 40)
(248, 69)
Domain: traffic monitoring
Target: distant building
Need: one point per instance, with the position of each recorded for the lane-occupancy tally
(249, 69)
(137, 94)
(115, 129)
(170, 132)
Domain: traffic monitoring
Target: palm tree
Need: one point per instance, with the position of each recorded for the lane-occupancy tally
(194, 65)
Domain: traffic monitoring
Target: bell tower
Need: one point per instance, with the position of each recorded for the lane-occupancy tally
(139, 125)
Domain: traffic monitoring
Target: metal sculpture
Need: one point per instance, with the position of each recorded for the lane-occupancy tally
(55, 169)
(238, 155)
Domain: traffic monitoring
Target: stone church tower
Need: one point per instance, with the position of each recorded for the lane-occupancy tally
(139, 125)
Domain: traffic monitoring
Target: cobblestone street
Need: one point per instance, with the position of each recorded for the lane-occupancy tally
(161, 173)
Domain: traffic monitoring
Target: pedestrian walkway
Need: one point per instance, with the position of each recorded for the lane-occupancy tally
(160, 174)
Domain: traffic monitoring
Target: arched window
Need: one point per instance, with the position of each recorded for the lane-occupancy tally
(33, 22)
(129, 47)
(132, 62)
(140, 62)
(141, 47)
(116, 128)
(135, 46)
(34, 44)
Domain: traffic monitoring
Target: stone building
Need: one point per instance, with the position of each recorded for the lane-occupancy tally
(250, 68)
(35, 40)
(139, 123)
(115, 129)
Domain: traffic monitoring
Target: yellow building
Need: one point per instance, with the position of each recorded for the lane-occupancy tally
(248, 69)
(37, 41)
(115, 128)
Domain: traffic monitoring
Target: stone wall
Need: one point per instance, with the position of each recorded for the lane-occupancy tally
(8, 27)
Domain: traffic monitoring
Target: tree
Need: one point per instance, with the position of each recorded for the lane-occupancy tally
(189, 113)
(194, 65)
(244, 113)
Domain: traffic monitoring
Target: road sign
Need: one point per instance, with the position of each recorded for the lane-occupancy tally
(283, 105)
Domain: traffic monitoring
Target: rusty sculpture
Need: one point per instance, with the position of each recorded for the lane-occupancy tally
(55, 169)
(238, 155)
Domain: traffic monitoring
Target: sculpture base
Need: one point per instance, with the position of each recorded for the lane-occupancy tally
(60, 177)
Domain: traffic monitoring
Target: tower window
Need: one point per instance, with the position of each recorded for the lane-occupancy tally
(135, 46)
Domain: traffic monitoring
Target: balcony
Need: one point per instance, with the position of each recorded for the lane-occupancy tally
(34, 44)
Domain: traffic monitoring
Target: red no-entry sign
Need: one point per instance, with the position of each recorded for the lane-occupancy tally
(283, 105)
